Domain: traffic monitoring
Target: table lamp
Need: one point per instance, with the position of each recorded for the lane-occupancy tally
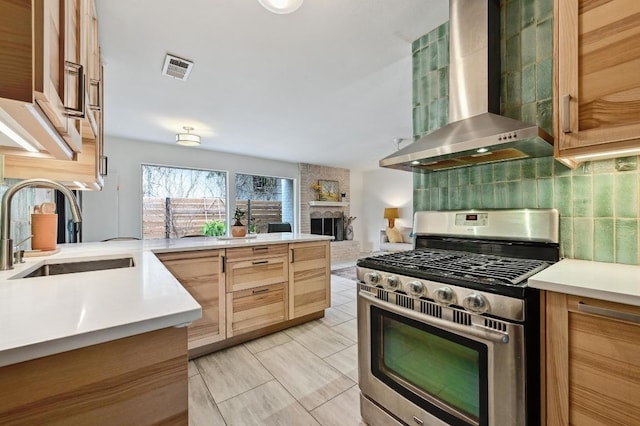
(391, 213)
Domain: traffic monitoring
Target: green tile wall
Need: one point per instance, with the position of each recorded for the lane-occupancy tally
(599, 202)
(431, 81)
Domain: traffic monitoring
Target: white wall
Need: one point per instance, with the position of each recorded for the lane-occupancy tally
(117, 209)
(384, 188)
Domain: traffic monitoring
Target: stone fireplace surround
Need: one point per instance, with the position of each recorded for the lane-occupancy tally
(311, 208)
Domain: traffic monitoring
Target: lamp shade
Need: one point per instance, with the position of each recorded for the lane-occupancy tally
(391, 213)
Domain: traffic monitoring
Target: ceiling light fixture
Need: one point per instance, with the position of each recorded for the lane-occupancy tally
(187, 139)
(281, 6)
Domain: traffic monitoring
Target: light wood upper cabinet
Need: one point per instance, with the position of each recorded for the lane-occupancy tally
(597, 91)
(51, 90)
(93, 71)
(592, 361)
(40, 72)
(309, 278)
(201, 273)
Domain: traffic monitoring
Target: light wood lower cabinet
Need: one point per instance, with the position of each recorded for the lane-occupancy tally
(250, 291)
(245, 274)
(309, 278)
(201, 273)
(256, 287)
(592, 362)
(138, 380)
(256, 308)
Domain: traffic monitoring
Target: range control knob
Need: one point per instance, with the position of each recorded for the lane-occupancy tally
(445, 296)
(475, 303)
(416, 288)
(372, 278)
(392, 283)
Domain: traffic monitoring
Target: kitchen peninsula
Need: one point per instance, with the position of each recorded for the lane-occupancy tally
(114, 342)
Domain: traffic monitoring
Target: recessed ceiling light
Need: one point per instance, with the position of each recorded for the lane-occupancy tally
(482, 150)
(281, 6)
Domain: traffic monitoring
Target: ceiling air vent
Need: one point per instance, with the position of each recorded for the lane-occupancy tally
(176, 67)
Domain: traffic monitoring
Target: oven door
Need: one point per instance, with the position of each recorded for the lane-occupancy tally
(428, 369)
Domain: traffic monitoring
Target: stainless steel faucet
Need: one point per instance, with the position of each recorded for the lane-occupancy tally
(6, 244)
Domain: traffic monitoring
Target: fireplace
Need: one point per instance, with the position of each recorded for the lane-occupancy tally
(328, 223)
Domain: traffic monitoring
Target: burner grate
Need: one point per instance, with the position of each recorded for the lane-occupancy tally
(464, 265)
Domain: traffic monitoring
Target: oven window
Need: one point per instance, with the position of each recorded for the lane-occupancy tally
(438, 370)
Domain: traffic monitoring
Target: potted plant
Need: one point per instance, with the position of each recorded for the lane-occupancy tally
(238, 229)
(214, 228)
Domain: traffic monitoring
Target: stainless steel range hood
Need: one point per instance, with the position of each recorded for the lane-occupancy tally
(476, 133)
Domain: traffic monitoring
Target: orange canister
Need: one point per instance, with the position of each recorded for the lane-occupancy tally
(44, 228)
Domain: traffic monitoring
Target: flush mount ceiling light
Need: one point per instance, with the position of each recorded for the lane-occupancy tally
(187, 139)
(281, 6)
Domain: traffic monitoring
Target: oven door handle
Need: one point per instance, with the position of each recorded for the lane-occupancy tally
(473, 330)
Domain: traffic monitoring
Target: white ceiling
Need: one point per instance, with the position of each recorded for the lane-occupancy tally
(329, 84)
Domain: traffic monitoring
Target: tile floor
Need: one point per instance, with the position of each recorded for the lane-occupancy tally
(305, 375)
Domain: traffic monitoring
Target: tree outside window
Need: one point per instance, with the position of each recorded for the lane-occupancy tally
(179, 202)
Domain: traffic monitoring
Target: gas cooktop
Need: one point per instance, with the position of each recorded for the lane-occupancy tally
(511, 271)
(460, 266)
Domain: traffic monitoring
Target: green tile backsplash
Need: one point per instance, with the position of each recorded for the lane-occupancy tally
(599, 202)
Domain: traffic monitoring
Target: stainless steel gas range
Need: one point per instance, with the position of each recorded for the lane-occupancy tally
(448, 333)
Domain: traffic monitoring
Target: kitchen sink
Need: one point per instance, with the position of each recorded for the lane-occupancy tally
(80, 266)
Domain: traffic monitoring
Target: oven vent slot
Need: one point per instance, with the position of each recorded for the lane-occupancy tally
(382, 294)
(461, 318)
(430, 309)
(404, 301)
(496, 325)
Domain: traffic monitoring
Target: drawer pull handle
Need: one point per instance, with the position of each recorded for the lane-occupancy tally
(260, 262)
(609, 313)
(260, 248)
(566, 110)
(262, 290)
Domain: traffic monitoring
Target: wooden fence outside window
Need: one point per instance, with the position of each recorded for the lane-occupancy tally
(180, 217)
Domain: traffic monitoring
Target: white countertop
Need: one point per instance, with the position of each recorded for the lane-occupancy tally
(614, 282)
(46, 315)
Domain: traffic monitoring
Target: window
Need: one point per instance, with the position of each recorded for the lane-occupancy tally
(179, 202)
(265, 199)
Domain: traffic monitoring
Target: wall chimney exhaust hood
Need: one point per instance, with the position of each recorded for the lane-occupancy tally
(476, 133)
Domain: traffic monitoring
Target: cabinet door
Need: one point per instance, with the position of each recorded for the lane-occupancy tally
(93, 71)
(309, 278)
(593, 361)
(598, 90)
(59, 76)
(256, 308)
(255, 272)
(200, 272)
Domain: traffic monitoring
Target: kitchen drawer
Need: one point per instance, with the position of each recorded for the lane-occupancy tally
(246, 274)
(257, 251)
(256, 308)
